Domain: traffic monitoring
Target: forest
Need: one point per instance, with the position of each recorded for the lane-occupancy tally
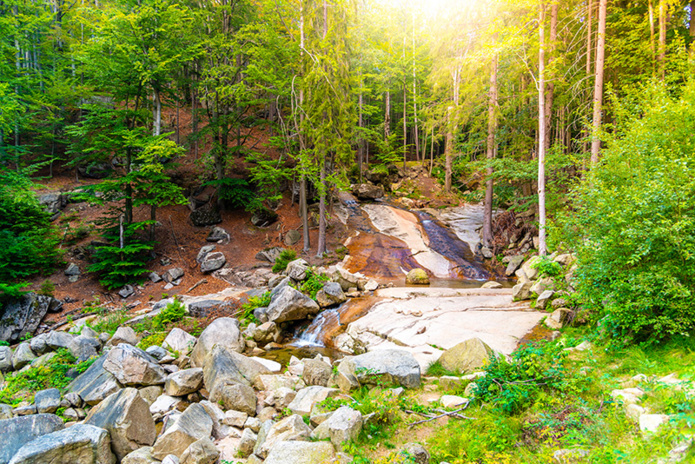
(570, 124)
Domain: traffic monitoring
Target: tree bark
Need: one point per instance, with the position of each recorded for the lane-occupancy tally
(542, 248)
(448, 149)
(387, 116)
(321, 246)
(491, 129)
(549, 94)
(405, 128)
(662, 39)
(598, 83)
(588, 37)
(652, 38)
(156, 113)
(692, 23)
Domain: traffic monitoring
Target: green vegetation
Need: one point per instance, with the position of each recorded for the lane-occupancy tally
(547, 267)
(173, 312)
(151, 340)
(110, 322)
(47, 288)
(281, 262)
(313, 283)
(246, 313)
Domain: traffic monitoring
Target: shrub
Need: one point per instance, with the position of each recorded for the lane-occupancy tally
(110, 322)
(247, 308)
(547, 267)
(313, 283)
(152, 340)
(47, 288)
(634, 217)
(236, 193)
(173, 312)
(281, 262)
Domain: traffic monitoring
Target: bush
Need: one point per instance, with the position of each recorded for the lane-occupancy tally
(547, 267)
(247, 308)
(313, 283)
(173, 312)
(281, 262)
(47, 288)
(634, 219)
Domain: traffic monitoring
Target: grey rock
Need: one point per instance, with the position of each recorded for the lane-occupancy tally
(368, 191)
(222, 366)
(179, 341)
(212, 262)
(289, 304)
(207, 215)
(23, 315)
(264, 217)
(529, 267)
(391, 366)
(515, 263)
(247, 442)
(52, 202)
(95, 170)
(124, 334)
(307, 397)
(544, 299)
(140, 456)
(522, 291)
(74, 399)
(217, 234)
(72, 270)
(220, 430)
(57, 340)
(18, 431)
(289, 428)
(417, 452)
(297, 269)
(223, 332)
(5, 359)
(157, 352)
(236, 396)
(79, 444)
(94, 384)
(292, 237)
(266, 333)
(22, 356)
(317, 372)
(345, 424)
(26, 410)
(468, 356)
(171, 459)
(193, 425)
(6, 412)
(83, 347)
(184, 382)
(301, 452)
(126, 291)
(202, 451)
(269, 254)
(39, 345)
(331, 294)
(151, 393)
(154, 277)
(127, 418)
(132, 366)
(204, 251)
(261, 314)
(172, 274)
(47, 401)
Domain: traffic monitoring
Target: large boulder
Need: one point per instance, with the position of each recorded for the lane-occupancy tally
(202, 451)
(529, 267)
(522, 291)
(368, 191)
(140, 456)
(466, 357)
(345, 424)
(193, 425)
(330, 295)
(301, 452)
(23, 315)
(222, 366)
(307, 397)
(514, 263)
(212, 262)
(289, 428)
(79, 444)
(132, 366)
(18, 431)
(22, 356)
(95, 384)
(391, 366)
(84, 347)
(289, 304)
(223, 332)
(317, 372)
(127, 418)
(184, 382)
(297, 269)
(5, 359)
(180, 341)
(47, 401)
(57, 340)
(235, 396)
(124, 334)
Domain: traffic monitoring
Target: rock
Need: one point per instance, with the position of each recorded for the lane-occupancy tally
(204, 251)
(289, 428)
(317, 372)
(368, 191)
(266, 333)
(79, 444)
(558, 318)
(47, 401)
(301, 452)
(208, 215)
(514, 263)
(492, 284)
(219, 429)
(541, 285)
(72, 270)
(529, 267)
(202, 451)
(371, 285)
(162, 405)
(222, 366)
(217, 234)
(544, 299)
(18, 431)
(6, 358)
(247, 442)
(417, 277)
(172, 274)
(289, 304)
(297, 269)
(307, 397)
(52, 202)
(269, 254)
(330, 295)
(179, 341)
(127, 418)
(184, 382)
(569, 456)
(157, 352)
(84, 347)
(171, 459)
(24, 410)
(522, 291)
(236, 396)
(23, 315)
(235, 418)
(468, 356)
(126, 291)
(212, 262)
(193, 425)
(345, 424)
(264, 217)
(628, 395)
(124, 334)
(94, 384)
(417, 453)
(151, 393)
(650, 423)
(292, 237)
(57, 340)
(5, 412)
(389, 365)
(140, 456)
(95, 170)
(132, 366)
(452, 401)
(274, 382)
(223, 332)
(22, 356)
(154, 277)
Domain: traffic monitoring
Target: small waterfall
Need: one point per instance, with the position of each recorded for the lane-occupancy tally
(313, 334)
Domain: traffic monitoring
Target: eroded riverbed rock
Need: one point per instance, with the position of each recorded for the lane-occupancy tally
(193, 425)
(391, 366)
(18, 431)
(223, 332)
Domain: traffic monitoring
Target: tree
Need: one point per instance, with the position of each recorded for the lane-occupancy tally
(542, 248)
(491, 129)
(598, 83)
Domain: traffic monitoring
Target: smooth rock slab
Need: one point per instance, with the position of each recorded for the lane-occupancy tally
(301, 452)
(18, 431)
(132, 366)
(307, 397)
(79, 444)
(391, 366)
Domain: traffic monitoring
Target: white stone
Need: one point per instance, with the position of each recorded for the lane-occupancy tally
(650, 423)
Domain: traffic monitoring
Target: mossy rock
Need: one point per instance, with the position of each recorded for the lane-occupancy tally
(417, 277)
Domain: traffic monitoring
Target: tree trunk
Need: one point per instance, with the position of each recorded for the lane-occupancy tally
(153, 218)
(542, 249)
(588, 37)
(448, 149)
(598, 84)
(321, 246)
(551, 86)
(405, 128)
(303, 209)
(652, 38)
(491, 129)
(417, 139)
(692, 23)
(156, 113)
(360, 124)
(387, 116)
(662, 39)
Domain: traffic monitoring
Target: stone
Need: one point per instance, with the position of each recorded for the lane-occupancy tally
(171, 459)
(157, 352)
(124, 334)
(269, 254)
(292, 237)
(72, 270)
(274, 382)
(417, 276)
(627, 395)
(388, 365)
(193, 425)
(634, 411)
(223, 332)
(154, 277)
(95, 170)
(345, 424)
(650, 423)
(6, 358)
(94, 384)
(317, 372)
(541, 285)
(79, 444)
(558, 318)
(132, 366)
(492, 284)
(126, 291)
(247, 442)
(164, 404)
(140, 456)
(204, 251)
(184, 382)
(151, 393)
(128, 420)
(289, 304)
(417, 452)
(297, 269)
(212, 262)
(522, 291)
(371, 285)
(22, 316)
(263, 217)
(289, 428)
(544, 299)
(202, 451)
(235, 418)
(307, 397)
(368, 191)
(253, 423)
(57, 340)
(22, 356)
(222, 366)
(529, 267)
(207, 215)
(84, 347)
(18, 431)
(179, 341)
(73, 400)
(24, 410)
(173, 274)
(330, 295)
(236, 396)
(266, 333)
(301, 452)
(514, 263)
(468, 356)
(47, 401)
(452, 401)
(450, 382)
(217, 234)
(5, 412)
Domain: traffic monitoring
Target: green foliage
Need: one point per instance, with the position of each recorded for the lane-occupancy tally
(281, 262)
(173, 312)
(236, 193)
(313, 283)
(152, 340)
(634, 217)
(513, 385)
(247, 308)
(547, 267)
(436, 369)
(110, 322)
(47, 288)
(119, 266)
